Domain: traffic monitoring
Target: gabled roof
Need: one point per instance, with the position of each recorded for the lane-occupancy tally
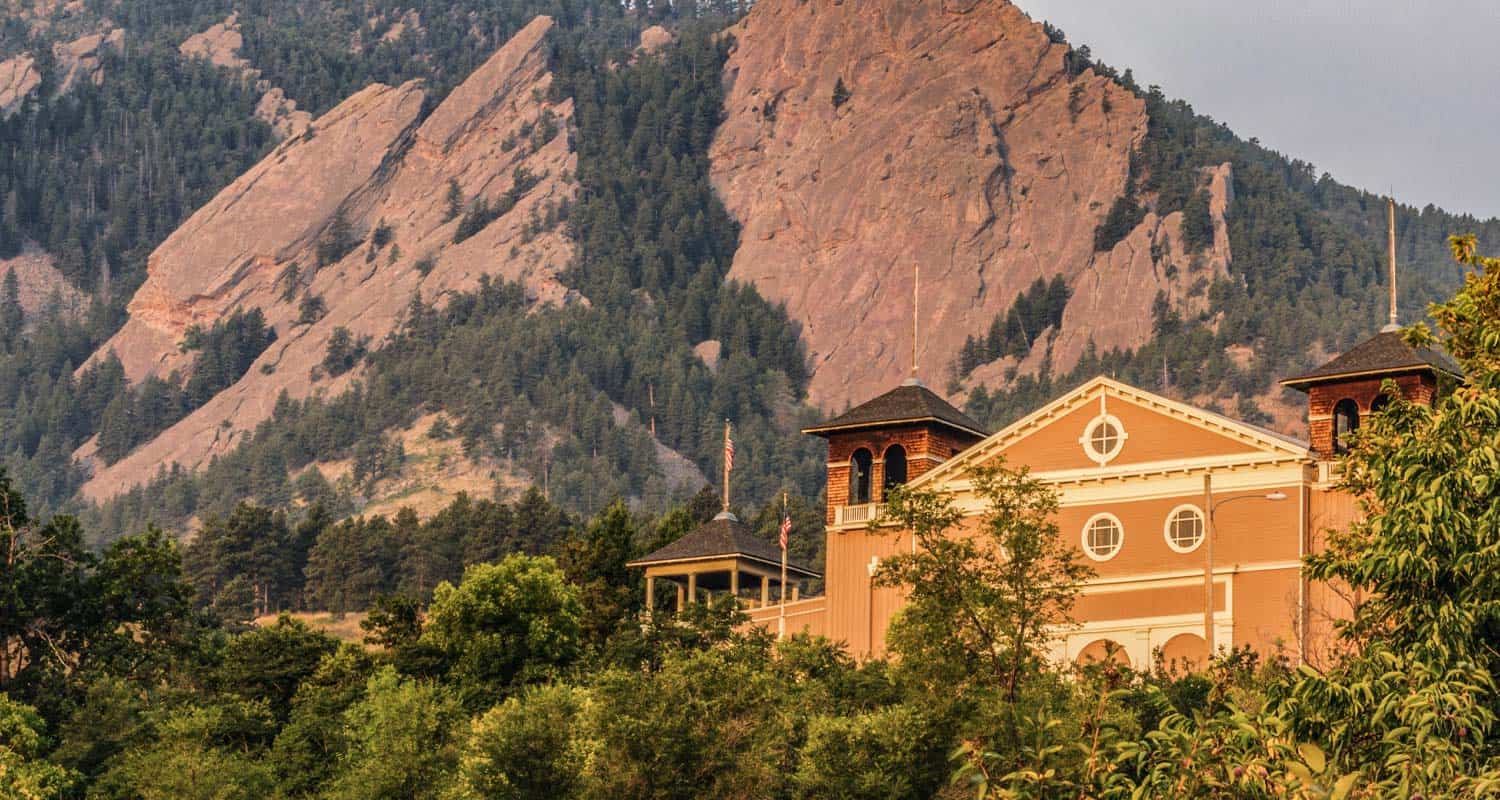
(1382, 353)
(909, 402)
(724, 536)
(1276, 446)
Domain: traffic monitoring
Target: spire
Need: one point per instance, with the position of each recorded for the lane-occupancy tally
(1392, 325)
(916, 304)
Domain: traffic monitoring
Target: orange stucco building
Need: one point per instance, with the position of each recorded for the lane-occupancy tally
(1171, 505)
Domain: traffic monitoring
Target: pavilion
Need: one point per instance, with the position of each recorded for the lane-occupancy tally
(722, 555)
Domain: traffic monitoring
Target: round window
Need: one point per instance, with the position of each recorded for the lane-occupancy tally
(1103, 438)
(1102, 537)
(1184, 529)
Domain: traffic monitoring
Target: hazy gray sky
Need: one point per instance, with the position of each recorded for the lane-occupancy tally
(1381, 94)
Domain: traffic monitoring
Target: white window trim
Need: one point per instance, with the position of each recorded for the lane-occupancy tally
(1083, 539)
(1087, 439)
(1166, 528)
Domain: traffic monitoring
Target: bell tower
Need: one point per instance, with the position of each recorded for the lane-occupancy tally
(1346, 390)
(889, 440)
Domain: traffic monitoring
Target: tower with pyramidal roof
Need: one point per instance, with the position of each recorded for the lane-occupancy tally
(1345, 391)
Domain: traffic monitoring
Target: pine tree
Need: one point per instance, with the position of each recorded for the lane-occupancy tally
(455, 201)
(1197, 223)
(841, 93)
(12, 316)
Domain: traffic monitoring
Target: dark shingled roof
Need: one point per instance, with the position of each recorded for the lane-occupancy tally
(720, 537)
(1384, 352)
(909, 402)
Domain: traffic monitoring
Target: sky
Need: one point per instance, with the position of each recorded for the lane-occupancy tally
(1385, 95)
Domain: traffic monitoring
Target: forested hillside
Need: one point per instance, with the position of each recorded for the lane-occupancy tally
(592, 400)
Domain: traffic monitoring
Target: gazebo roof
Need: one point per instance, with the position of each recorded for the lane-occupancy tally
(909, 402)
(724, 536)
(1381, 354)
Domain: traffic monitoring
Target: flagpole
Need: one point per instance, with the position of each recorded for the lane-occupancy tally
(781, 622)
(726, 465)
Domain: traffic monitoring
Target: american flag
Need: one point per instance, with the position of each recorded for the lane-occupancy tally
(728, 450)
(786, 526)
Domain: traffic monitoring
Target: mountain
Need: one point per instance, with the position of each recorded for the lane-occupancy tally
(379, 171)
(363, 254)
(967, 150)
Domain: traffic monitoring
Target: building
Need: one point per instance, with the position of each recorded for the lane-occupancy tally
(1195, 523)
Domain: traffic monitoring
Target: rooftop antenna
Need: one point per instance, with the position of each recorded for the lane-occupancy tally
(1392, 325)
(916, 304)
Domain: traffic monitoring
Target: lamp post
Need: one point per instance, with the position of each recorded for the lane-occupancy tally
(1209, 507)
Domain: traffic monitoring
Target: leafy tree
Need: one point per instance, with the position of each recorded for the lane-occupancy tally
(893, 752)
(1422, 561)
(973, 619)
(400, 742)
(594, 560)
(529, 746)
(267, 664)
(309, 746)
(505, 625)
(199, 753)
(24, 774)
(697, 726)
(48, 609)
(394, 622)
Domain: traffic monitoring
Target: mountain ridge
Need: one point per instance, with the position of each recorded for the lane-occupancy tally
(695, 252)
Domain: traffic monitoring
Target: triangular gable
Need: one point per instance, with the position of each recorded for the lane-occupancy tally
(1159, 433)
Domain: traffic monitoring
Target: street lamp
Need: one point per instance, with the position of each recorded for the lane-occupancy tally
(1209, 507)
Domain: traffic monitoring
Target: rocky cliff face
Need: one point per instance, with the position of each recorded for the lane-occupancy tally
(961, 146)
(80, 59)
(220, 45)
(18, 78)
(374, 162)
(40, 283)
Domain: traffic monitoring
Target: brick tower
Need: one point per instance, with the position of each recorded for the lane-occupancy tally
(1343, 392)
(890, 440)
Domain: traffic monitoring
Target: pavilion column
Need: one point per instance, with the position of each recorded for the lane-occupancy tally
(679, 598)
(795, 587)
(650, 592)
(765, 590)
(692, 587)
(734, 583)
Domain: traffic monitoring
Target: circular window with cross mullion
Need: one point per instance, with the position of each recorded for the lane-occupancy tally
(1103, 536)
(1103, 439)
(1184, 528)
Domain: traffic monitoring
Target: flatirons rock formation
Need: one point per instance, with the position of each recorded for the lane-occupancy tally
(374, 161)
(963, 147)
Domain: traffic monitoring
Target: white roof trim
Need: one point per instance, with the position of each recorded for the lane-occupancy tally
(1276, 446)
